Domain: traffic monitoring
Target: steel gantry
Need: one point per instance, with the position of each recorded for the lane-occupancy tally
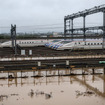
(68, 21)
(13, 38)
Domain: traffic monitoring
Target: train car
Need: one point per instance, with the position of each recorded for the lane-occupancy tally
(26, 43)
(66, 41)
(81, 45)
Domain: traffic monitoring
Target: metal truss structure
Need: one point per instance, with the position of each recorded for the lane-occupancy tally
(13, 38)
(68, 21)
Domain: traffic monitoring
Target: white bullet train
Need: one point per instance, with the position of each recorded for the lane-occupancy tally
(26, 43)
(59, 44)
(79, 45)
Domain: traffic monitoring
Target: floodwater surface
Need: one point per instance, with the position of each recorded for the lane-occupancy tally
(58, 90)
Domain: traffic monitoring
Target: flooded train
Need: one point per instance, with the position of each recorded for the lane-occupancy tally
(26, 43)
(78, 44)
(58, 44)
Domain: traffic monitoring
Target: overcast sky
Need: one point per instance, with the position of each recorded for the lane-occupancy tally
(44, 12)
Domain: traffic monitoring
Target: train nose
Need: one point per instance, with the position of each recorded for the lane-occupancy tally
(59, 46)
(0, 44)
(5, 44)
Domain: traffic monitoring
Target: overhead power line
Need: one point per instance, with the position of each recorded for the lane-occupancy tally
(43, 25)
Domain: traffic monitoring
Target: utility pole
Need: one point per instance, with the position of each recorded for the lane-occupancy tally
(13, 38)
(104, 28)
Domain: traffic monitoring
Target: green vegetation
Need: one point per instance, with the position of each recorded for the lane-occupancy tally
(4, 36)
(20, 36)
(28, 35)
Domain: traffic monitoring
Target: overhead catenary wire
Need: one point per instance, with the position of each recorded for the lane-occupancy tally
(43, 26)
(58, 27)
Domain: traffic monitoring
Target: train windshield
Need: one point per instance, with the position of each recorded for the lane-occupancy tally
(65, 42)
(55, 40)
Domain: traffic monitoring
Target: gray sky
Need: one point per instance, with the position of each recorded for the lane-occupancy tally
(44, 12)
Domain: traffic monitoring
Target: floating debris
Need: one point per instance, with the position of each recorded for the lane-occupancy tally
(14, 94)
(48, 96)
(10, 76)
(87, 93)
(37, 93)
(2, 97)
(62, 91)
(31, 93)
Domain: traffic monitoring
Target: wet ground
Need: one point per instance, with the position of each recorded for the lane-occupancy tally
(57, 90)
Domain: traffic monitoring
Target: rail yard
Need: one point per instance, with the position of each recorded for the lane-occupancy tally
(55, 70)
(48, 58)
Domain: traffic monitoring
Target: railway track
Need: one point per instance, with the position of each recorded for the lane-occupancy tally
(47, 52)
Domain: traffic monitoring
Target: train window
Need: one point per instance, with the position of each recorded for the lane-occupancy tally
(91, 43)
(101, 43)
(94, 43)
(85, 43)
(19, 42)
(78, 42)
(97, 43)
(75, 43)
(88, 43)
(32, 42)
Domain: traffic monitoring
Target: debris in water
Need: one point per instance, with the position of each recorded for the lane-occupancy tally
(62, 91)
(37, 93)
(14, 94)
(87, 93)
(31, 93)
(2, 97)
(48, 96)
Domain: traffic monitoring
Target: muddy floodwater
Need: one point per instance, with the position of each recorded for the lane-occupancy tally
(56, 90)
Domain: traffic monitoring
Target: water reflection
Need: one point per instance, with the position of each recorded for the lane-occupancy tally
(89, 81)
(53, 90)
(50, 72)
(94, 84)
(94, 89)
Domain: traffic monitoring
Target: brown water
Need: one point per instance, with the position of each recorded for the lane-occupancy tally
(64, 90)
